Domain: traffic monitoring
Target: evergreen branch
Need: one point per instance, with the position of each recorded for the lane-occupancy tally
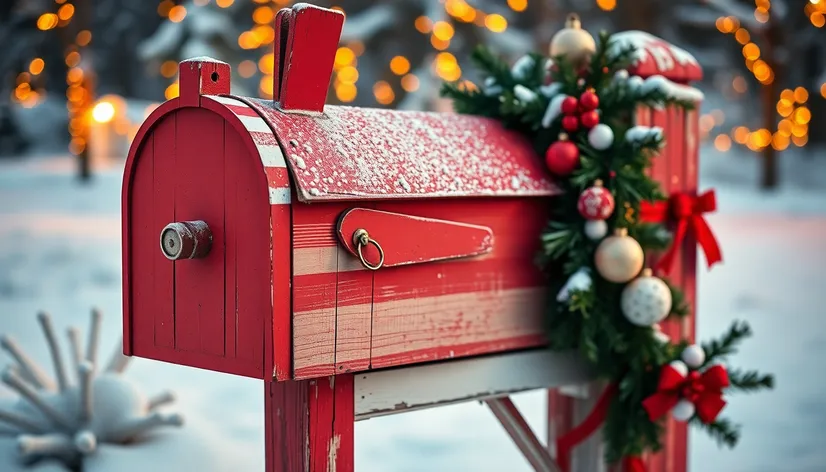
(679, 305)
(723, 431)
(749, 381)
(471, 102)
(493, 66)
(717, 350)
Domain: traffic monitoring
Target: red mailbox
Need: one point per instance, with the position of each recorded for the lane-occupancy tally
(296, 243)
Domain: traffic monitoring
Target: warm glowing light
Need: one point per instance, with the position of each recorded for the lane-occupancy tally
(706, 122)
(344, 56)
(457, 8)
(383, 93)
(496, 23)
(761, 70)
(346, 92)
(75, 75)
(722, 142)
(607, 5)
(800, 141)
(761, 14)
(23, 77)
(171, 91)
(247, 68)
(400, 65)
(267, 64)
(469, 16)
(799, 130)
(36, 66)
(784, 127)
(439, 44)
(823, 90)
(802, 115)
(742, 36)
(66, 12)
(741, 134)
(83, 38)
(739, 84)
(77, 145)
(521, 5)
(787, 94)
(73, 59)
(467, 86)
(224, 3)
(265, 34)
(47, 21)
(818, 19)
(103, 112)
(357, 47)
(248, 40)
(75, 94)
(780, 141)
(177, 14)
(801, 95)
(266, 85)
(169, 69)
(410, 83)
(726, 24)
(718, 116)
(784, 107)
(424, 24)
(164, 7)
(263, 15)
(751, 51)
(443, 30)
(348, 75)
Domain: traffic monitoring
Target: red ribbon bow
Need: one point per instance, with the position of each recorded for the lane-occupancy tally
(687, 210)
(704, 390)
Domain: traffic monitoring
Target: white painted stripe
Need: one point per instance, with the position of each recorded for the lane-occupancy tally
(443, 383)
(254, 123)
(227, 101)
(271, 155)
(279, 196)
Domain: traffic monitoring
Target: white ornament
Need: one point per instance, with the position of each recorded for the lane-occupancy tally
(553, 111)
(683, 410)
(693, 356)
(524, 93)
(522, 67)
(595, 229)
(658, 334)
(621, 75)
(646, 300)
(579, 280)
(680, 367)
(619, 258)
(601, 137)
(68, 420)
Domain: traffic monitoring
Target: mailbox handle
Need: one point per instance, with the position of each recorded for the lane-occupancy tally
(408, 239)
(186, 240)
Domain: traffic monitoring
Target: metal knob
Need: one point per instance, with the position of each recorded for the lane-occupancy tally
(186, 240)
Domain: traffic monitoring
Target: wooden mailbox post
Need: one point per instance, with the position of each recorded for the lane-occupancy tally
(361, 262)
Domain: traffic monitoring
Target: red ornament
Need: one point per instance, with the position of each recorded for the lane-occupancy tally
(589, 119)
(570, 123)
(588, 101)
(569, 106)
(562, 157)
(596, 203)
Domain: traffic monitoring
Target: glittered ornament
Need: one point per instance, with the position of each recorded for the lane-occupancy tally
(569, 106)
(596, 203)
(588, 101)
(570, 123)
(683, 410)
(619, 257)
(589, 119)
(646, 300)
(573, 42)
(562, 157)
(601, 137)
(693, 356)
(595, 229)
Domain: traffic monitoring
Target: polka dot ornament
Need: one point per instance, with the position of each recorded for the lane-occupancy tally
(596, 203)
(646, 300)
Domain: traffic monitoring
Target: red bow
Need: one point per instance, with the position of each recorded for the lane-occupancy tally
(688, 211)
(704, 390)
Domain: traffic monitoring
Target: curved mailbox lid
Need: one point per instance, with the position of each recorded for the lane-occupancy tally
(349, 153)
(406, 239)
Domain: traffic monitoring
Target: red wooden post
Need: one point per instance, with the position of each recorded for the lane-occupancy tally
(310, 425)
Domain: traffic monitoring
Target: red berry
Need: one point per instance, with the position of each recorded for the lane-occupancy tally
(569, 106)
(589, 119)
(562, 157)
(588, 101)
(570, 123)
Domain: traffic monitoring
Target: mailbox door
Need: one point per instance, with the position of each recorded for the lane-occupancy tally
(206, 312)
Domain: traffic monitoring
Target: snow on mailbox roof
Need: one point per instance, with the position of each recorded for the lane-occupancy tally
(350, 153)
(655, 56)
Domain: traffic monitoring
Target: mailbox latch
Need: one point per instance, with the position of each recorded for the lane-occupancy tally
(186, 240)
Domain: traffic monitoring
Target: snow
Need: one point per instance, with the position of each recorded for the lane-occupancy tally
(60, 251)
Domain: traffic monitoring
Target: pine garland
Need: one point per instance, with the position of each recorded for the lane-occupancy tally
(591, 320)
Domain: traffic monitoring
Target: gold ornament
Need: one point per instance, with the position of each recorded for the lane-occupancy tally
(619, 258)
(573, 42)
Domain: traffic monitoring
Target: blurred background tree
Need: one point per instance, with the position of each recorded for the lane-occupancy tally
(765, 60)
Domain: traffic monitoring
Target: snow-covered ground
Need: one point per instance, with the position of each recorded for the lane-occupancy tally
(60, 252)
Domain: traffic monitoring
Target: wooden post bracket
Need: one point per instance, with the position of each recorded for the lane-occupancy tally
(523, 436)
